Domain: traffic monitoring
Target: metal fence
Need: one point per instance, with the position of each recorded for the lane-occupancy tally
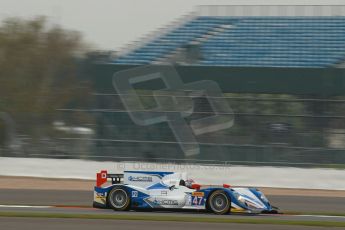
(267, 129)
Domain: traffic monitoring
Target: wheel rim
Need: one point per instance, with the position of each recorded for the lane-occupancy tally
(219, 202)
(119, 198)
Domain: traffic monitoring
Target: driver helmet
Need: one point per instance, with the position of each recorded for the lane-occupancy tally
(189, 183)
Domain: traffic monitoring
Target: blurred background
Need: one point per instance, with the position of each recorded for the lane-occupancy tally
(280, 68)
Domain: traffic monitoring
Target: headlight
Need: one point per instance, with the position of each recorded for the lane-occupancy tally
(263, 197)
(241, 199)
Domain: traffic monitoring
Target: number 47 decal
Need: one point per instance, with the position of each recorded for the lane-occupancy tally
(197, 200)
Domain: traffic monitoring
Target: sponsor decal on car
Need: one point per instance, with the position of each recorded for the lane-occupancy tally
(134, 193)
(165, 202)
(140, 178)
(100, 195)
(198, 194)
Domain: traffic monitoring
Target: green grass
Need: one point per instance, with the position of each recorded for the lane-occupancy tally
(315, 213)
(174, 218)
(332, 166)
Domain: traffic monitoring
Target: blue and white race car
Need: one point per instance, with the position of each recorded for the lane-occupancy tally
(169, 190)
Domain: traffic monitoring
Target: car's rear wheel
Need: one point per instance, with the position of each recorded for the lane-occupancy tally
(118, 199)
(219, 202)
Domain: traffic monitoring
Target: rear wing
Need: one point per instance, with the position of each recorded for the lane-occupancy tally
(102, 178)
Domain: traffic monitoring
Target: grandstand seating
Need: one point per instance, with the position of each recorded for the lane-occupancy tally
(270, 41)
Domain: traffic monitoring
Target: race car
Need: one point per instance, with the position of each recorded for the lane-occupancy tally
(171, 190)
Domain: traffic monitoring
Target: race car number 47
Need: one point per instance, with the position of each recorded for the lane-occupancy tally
(197, 200)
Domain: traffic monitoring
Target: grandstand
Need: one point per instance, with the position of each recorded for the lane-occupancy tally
(302, 39)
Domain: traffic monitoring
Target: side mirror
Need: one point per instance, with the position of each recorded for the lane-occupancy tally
(172, 187)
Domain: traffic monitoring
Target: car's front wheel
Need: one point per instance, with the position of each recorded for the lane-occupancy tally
(219, 202)
(118, 199)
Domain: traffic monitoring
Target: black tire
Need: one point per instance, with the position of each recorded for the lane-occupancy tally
(219, 202)
(118, 199)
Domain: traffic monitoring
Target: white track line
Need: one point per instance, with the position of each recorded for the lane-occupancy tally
(271, 215)
(302, 215)
(23, 206)
(321, 216)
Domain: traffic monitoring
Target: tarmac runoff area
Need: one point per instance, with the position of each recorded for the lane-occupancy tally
(15, 223)
(19, 205)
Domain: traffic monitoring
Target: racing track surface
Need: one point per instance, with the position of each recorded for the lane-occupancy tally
(108, 212)
(84, 198)
(83, 224)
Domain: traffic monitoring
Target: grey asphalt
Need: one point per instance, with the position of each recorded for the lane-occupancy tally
(108, 212)
(84, 198)
(15, 223)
